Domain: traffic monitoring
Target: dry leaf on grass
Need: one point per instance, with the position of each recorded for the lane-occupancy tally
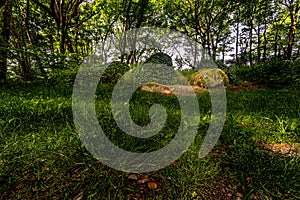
(152, 185)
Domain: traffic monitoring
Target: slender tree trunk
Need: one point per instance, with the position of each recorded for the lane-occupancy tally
(223, 52)
(258, 43)
(237, 42)
(62, 42)
(4, 38)
(292, 31)
(276, 44)
(265, 42)
(214, 46)
(265, 31)
(208, 44)
(237, 36)
(76, 35)
(280, 47)
(69, 44)
(27, 22)
(251, 40)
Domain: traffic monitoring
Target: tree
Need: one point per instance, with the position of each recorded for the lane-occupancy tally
(63, 12)
(4, 36)
(207, 22)
(293, 8)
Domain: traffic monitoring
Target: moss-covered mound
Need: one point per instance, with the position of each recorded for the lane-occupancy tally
(203, 76)
(160, 58)
(114, 72)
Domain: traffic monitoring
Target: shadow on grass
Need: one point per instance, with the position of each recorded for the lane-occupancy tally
(261, 173)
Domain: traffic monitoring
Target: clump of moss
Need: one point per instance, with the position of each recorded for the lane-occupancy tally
(206, 77)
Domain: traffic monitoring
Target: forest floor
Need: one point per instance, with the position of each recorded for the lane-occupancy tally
(256, 156)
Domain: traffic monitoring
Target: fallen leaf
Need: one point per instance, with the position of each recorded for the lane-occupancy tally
(239, 195)
(152, 185)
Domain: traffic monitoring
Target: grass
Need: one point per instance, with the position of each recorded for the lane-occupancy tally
(42, 156)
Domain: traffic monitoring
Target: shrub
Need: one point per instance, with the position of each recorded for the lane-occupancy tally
(153, 68)
(114, 72)
(198, 78)
(273, 73)
(187, 73)
(231, 77)
(62, 76)
(162, 62)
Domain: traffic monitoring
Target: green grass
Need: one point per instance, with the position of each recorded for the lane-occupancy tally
(42, 156)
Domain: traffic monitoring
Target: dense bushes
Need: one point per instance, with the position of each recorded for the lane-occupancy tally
(274, 73)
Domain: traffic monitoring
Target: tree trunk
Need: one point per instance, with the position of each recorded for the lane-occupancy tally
(292, 31)
(251, 40)
(265, 42)
(237, 36)
(237, 42)
(265, 15)
(27, 22)
(276, 44)
(258, 42)
(223, 53)
(5, 34)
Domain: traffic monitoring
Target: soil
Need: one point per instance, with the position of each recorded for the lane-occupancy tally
(281, 148)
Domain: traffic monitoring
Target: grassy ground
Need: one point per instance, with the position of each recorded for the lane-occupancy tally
(42, 156)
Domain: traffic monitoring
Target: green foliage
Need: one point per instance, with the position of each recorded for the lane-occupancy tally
(275, 73)
(198, 78)
(114, 72)
(187, 73)
(62, 76)
(159, 68)
(232, 78)
(40, 39)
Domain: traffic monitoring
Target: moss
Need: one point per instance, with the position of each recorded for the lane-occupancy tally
(199, 78)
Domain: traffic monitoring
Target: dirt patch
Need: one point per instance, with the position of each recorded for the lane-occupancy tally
(143, 186)
(186, 89)
(281, 148)
(246, 86)
(172, 89)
